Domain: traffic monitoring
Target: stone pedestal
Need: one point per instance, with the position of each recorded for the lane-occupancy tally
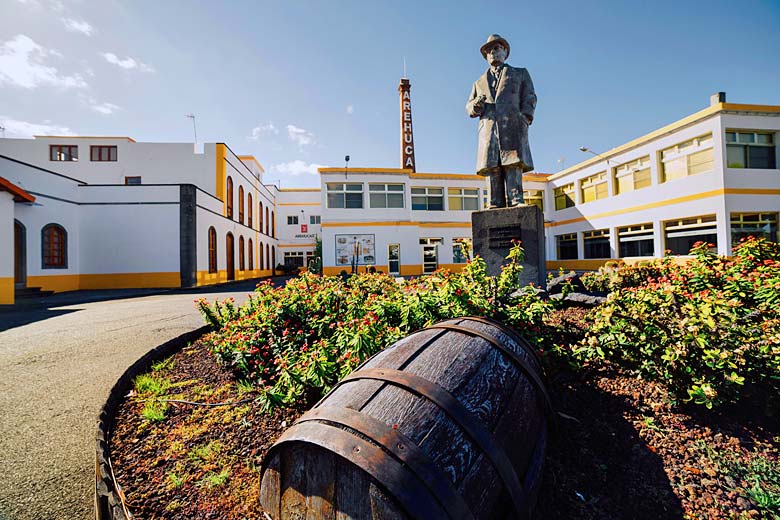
(492, 232)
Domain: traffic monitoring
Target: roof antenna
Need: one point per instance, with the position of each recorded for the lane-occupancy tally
(405, 77)
(194, 130)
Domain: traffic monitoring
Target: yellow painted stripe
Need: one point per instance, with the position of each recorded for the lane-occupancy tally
(396, 223)
(536, 177)
(454, 176)
(129, 139)
(7, 290)
(299, 204)
(363, 170)
(74, 282)
(668, 202)
(56, 283)
(750, 108)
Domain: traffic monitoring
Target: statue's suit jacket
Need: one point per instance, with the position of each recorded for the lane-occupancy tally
(503, 129)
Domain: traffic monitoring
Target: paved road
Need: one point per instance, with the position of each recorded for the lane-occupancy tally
(57, 363)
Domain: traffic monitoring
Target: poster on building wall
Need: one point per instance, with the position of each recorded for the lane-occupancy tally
(355, 250)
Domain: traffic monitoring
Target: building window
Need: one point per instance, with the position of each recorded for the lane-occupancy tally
(268, 257)
(63, 152)
(294, 258)
(347, 196)
(431, 199)
(267, 221)
(292, 220)
(133, 181)
(633, 175)
(596, 244)
(260, 216)
(54, 247)
(212, 250)
(314, 219)
(386, 195)
(534, 198)
(241, 253)
(102, 153)
(461, 250)
(273, 225)
(241, 204)
(485, 199)
(680, 235)
(251, 254)
(261, 256)
(759, 225)
(566, 246)
(750, 150)
(463, 198)
(229, 197)
(250, 210)
(687, 158)
(636, 240)
(594, 187)
(564, 196)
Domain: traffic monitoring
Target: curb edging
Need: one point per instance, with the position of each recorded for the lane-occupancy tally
(108, 505)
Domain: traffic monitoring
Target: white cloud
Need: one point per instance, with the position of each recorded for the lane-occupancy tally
(300, 136)
(14, 128)
(261, 130)
(297, 167)
(21, 64)
(79, 26)
(350, 109)
(127, 63)
(104, 108)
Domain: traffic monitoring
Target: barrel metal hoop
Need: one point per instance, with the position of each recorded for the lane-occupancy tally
(518, 361)
(397, 479)
(462, 416)
(509, 331)
(406, 451)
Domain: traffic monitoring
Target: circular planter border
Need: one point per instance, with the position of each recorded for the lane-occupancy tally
(108, 505)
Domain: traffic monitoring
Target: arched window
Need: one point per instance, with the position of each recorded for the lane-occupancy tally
(268, 257)
(241, 204)
(261, 257)
(212, 250)
(250, 209)
(54, 247)
(251, 255)
(273, 225)
(260, 216)
(229, 197)
(267, 220)
(241, 253)
(273, 257)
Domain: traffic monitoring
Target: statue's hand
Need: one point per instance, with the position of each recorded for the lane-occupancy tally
(479, 106)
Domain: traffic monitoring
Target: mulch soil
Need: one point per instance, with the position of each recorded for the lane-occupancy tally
(620, 449)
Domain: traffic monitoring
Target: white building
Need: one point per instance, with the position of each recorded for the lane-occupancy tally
(712, 176)
(107, 212)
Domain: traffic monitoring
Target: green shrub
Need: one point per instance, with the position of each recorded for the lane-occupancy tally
(294, 342)
(709, 329)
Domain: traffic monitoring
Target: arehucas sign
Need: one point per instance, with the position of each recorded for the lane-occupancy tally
(407, 137)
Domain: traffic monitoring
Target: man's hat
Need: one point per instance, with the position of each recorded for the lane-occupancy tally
(491, 41)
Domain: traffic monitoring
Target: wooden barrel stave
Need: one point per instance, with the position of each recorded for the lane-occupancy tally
(501, 395)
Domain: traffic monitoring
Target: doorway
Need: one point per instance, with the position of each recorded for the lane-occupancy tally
(231, 257)
(20, 255)
(394, 259)
(430, 253)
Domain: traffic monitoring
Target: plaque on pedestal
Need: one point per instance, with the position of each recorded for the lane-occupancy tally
(493, 230)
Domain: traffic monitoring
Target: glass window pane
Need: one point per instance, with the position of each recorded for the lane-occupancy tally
(674, 169)
(354, 200)
(746, 138)
(700, 162)
(761, 157)
(112, 154)
(470, 204)
(764, 138)
(395, 200)
(456, 203)
(395, 187)
(335, 200)
(731, 137)
(625, 184)
(376, 187)
(378, 200)
(436, 203)
(354, 187)
(642, 179)
(436, 191)
(735, 156)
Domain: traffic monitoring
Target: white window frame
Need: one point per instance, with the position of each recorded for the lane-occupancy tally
(383, 192)
(342, 189)
(428, 192)
(461, 195)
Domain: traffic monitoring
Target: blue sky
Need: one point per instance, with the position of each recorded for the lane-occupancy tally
(302, 83)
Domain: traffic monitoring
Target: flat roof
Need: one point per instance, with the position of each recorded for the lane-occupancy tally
(129, 139)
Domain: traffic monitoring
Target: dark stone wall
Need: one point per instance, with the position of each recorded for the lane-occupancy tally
(188, 237)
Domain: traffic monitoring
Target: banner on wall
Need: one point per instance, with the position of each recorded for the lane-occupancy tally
(355, 250)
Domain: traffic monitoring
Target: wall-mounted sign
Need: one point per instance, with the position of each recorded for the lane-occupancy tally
(304, 228)
(355, 250)
(407, 137)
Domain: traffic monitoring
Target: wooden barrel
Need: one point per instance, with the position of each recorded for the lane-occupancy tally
(449, 422)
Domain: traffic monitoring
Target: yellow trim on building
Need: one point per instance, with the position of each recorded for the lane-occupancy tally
(455, 268)
(129, 139)
(397, 223)
(411, 270)
(536, 177)
(75, 282)
(251, 158)
(7, 290)
(363, 170)
(299, 203)
(578, 265)
(668, 202)
(403, 171)
(691, 119)
(453, 176)
(220, 172)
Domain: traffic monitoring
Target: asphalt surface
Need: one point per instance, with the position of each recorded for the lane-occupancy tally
(59, 357)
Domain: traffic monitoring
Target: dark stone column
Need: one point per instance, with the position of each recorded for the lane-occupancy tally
(188, 236)
(493, 230)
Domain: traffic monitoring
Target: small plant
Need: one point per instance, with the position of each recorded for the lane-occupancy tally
(165, 364)
(212, 480)
(154, 411)
(206, 453)
(176, 481)
(147, 384)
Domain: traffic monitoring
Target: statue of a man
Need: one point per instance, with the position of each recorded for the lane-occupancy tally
(504, 100)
